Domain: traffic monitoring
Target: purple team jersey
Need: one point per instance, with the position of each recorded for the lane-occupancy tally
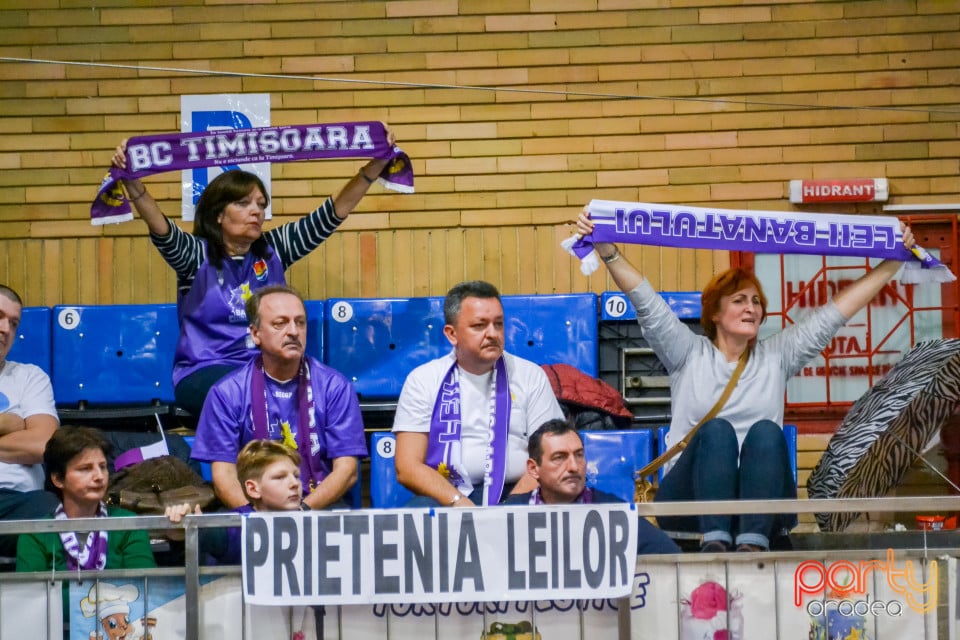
(213, 317)
(226, 422)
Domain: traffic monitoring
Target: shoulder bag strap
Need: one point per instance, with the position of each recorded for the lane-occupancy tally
(661, 460)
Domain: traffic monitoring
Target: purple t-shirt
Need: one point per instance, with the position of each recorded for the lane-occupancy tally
(226, 422)
(213, 317)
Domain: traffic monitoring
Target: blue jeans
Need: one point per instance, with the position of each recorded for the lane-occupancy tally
(192, 390)
(713, 468)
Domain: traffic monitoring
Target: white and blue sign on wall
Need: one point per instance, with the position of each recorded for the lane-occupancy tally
(217, 113)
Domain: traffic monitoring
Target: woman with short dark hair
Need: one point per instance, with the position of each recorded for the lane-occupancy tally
(76, 471)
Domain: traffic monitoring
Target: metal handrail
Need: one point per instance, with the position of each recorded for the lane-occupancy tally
(193, 523)
(732, 507)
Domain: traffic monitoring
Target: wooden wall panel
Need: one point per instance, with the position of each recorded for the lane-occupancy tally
(728, 104)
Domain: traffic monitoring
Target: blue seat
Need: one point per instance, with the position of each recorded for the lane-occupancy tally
(376, 342)
(550, 329)
(354, 497)
(789, 433)
(205, 471)
(114, 354)
(33, 341)
(614, 457)
(316, 311)
(614, 305)
(385, 491)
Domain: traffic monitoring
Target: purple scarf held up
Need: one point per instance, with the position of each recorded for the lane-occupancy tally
(149, 155)
(444, 448)
(778, 232)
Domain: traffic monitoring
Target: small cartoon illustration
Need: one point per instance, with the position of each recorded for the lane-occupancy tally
(711, 614)
(834, 625)
(112, 604)
(522, 630)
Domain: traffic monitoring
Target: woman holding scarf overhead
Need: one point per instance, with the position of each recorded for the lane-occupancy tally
(75, 460)
(740, 453)
(226, 258)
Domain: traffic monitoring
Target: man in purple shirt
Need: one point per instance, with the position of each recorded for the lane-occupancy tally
(283, 395)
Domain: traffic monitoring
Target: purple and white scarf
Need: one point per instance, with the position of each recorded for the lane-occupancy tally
(311, 471)
(585, 497)
(93, 553)
(444, 451)
(149, 155)
(757, 231)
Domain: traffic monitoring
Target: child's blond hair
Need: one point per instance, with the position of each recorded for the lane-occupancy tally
(257, 455)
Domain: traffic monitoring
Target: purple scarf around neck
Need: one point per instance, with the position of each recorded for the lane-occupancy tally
(149, 155)
(93, 553)
(310, 470)
(444, 449)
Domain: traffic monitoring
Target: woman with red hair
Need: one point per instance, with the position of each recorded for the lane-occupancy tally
(740, 453)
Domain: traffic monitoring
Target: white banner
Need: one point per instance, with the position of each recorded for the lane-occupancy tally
(877, 596)
(880, 598)
(439, 555)
(28, 608)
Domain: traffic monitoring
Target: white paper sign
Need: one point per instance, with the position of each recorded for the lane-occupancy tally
(440, 555)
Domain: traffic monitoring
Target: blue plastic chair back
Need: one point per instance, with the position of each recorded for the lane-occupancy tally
(114, 354)
(316, 313)
(790, 433)
(614, 457)
(33, 341)
(376, 342)
(385, 491)
(614, 305)
(354, 497)
(551, 329)
(205, 471)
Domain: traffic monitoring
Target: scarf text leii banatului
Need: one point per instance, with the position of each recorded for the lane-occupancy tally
(148, 155)
(826, 234)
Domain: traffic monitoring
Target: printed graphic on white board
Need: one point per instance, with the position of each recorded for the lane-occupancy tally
(220, 112)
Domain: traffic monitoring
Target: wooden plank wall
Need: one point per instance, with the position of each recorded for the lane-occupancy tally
(691, 102)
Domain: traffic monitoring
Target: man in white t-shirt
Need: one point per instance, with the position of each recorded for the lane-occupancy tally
(28, 417)
(463, 420)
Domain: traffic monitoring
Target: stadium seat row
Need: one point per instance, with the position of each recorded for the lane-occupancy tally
(117, 355)
(121, 355)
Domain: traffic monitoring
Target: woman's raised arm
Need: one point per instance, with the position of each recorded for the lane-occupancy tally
(623, 273)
